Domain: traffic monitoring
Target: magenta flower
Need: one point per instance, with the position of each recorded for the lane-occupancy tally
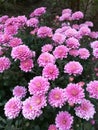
(21, 52)
(94, 44)
(72, 43)
(57, 97)
(45, 58)
(52, 127)
(38, 12)
(60, 52)
(32, 22)
(95, 52)
(19, 91)
(50, 71)
(47, 48)
(74, 93)
(64, 120)
(30, 111)
(4, 64)
(77, 15)
(44, 31)
(59, 38)
(84, 53)
(26, 65)
(38, 85)
(15, 42)
(13, 107)
(92, 88)
(73, 52)
(73, 67)
(39, 101)
(86, 110)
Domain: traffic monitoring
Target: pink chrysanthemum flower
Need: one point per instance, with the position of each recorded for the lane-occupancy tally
(4, 64)
(60, 52)
(64, 120)
(95, 52)
(84, 31)
(44, 31)
(45, 58)
(47, 48)
(58, 38)
(94, 34)
(77, 15)
(15, 41)
(71, 32)
(86, 110)
(73, 52)
(21, 52)
(11, 29)
(74, 93)
(3, 19)
(94, 44)
(52, 127)
(57, 97)
(65, 16)
(72, 43)
(73, 67)
(38, 12)
(92, 88)
(26, 65)
(19, 92)
(38, 85)
(13, 107)
(50, 71)
(83, 53)
(32, 22)
(39, 101)
(89, 23)
(30, 111)
(66, 11)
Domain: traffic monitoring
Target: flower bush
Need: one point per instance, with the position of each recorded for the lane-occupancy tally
(55, 70)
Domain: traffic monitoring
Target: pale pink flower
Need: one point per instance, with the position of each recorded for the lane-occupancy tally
(45, 58)
(72, 43)
(94, 44)
(11, 29)
(39, 101)
(19, 91)
(59, 38)
(4, 64)
(30, 111)
(61, 52)
(92, 88)
(21, 52)
(95, 52)
(26, 65)
(38, 85)
(71, 32)
(89, 23)
(15, 41)
(13, 107)
(86, 110)
(83, 53)
(47, 48)
(44, 31)
(74, 93)
(52, 127)
(77, 15)
(73, 67)
(32, 22)
(66, 11)
(64, 120)
(94, 34)
(65, 16)
(38, 12)
(57, 97)
(73, 52)
(84, 31)
(50, 71)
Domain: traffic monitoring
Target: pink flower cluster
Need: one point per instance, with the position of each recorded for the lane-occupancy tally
(62, 61)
